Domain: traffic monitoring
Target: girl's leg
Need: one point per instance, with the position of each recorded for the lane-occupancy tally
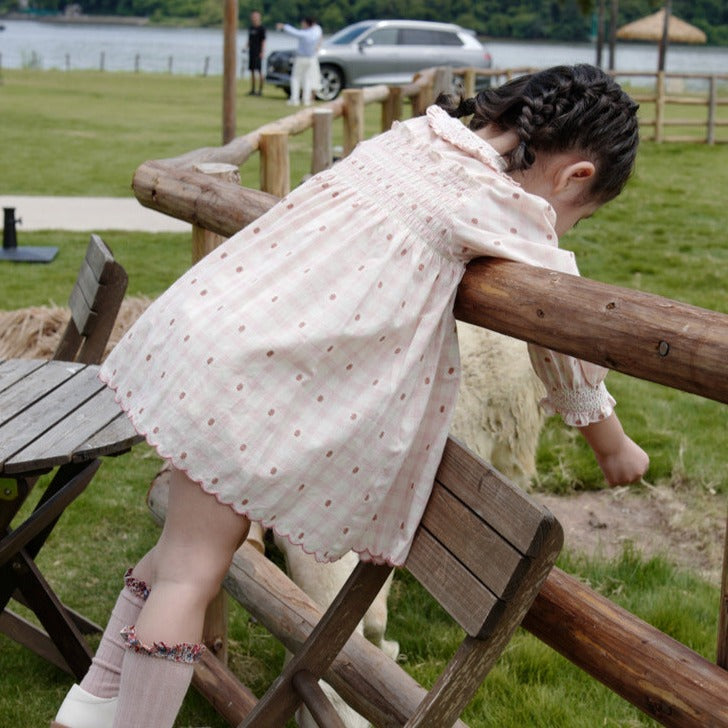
(92, 703)
(102, 679)
(185, 568)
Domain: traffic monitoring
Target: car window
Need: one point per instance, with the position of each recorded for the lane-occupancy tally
(347, 35)
(382, 36)
(421, 36)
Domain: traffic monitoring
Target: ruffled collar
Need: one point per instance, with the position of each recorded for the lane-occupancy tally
(454, 131)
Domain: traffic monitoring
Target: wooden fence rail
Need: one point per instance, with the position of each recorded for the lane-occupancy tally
(640, 334)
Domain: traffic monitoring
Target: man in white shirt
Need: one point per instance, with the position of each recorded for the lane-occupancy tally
(305, 72)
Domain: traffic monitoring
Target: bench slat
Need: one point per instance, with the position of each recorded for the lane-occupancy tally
(461, 595)
(476, 545)
(519, 517)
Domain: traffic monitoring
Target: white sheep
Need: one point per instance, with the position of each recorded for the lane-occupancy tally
(498, 417)
(497, 414)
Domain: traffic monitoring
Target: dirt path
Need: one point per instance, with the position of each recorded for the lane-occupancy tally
(688, 532)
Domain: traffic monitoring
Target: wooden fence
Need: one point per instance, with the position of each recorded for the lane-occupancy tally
(667, 90)
(640, 334)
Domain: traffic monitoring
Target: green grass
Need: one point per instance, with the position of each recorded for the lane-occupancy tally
(84, 133)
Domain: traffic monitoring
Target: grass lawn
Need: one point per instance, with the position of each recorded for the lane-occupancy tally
(84, 133)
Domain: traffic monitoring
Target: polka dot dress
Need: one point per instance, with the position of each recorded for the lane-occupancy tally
(305, 371)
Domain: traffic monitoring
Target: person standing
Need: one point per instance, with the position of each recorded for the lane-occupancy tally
(305, 71)
(256, 51)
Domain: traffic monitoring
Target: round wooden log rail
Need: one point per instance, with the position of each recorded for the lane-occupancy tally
(641, 334)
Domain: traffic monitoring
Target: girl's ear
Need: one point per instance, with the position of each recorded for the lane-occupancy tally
(574, 174)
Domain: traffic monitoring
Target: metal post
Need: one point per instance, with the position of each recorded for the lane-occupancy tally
(10, 239)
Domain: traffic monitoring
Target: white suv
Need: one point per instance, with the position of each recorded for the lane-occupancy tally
(384, 51)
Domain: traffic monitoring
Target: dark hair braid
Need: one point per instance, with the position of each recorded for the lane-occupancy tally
(562, 108)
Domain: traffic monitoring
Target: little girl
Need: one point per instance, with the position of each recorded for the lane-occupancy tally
(304, 373)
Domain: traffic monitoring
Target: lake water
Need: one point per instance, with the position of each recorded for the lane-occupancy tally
(25, 43)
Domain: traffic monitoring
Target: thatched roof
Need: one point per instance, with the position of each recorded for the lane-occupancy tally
(650, 28)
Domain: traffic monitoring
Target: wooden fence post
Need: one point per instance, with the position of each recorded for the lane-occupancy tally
(712, 106)
(230, 31)
(353, 118)
(469, 83)
(442, 83)
(423, 99)
(392, 107)
(722, 659)
(660, 107)
(275, 167)
(322, 145)
(203, 241)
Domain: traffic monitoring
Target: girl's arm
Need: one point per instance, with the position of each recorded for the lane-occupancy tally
(620, 458)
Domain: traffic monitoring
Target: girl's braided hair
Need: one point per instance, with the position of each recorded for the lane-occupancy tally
(562, 108)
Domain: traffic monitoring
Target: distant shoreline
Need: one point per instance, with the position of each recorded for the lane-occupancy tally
(79, 19)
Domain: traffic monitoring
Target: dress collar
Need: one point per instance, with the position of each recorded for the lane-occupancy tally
(454, 131)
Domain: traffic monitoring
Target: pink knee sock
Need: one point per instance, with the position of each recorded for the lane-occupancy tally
(154, 681)
(102, 678)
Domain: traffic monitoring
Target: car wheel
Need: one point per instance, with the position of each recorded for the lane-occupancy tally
(332, 81)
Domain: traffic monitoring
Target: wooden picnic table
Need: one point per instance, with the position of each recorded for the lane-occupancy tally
(54, 415)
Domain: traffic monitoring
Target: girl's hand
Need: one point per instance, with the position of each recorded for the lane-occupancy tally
(622, 461)
(627, 465)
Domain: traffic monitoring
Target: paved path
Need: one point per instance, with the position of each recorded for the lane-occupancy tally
(91, 214)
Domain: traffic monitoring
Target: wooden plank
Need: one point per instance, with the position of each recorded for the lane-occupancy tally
(59, 442)
(53, 617)
(116, 437)
(508, 509)
(314, 698)
(32, 422)
(107, 305)
(84, 624)
(469, 602)
(483, 551)
(218, 684)
(30, 389)
(15, 369)
(99, 258)
(81, 307)
(88, 283)
(323, 645)
(32, 637)
(46, 513)
(457, 683)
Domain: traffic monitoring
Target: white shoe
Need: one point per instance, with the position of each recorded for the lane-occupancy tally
(80, 709)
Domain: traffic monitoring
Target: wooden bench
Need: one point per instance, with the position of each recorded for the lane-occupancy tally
(483, 550)
(32, 446)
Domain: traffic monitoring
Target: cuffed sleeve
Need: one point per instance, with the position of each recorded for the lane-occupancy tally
(574, 388)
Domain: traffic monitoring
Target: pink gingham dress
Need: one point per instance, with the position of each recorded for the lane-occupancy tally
(305, 371)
